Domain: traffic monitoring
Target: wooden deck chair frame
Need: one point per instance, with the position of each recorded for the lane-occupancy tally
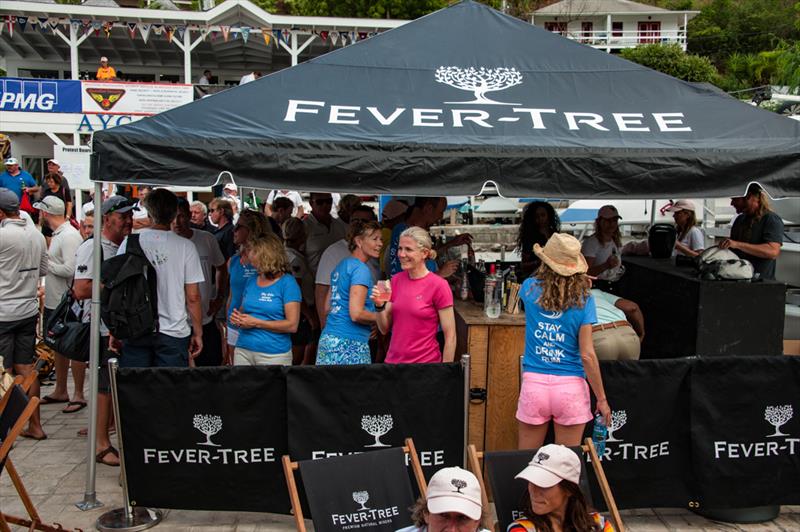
(290, 467)
(33, 522)
(474, 458)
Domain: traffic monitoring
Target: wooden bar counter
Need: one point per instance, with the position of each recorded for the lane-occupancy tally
(495, 346)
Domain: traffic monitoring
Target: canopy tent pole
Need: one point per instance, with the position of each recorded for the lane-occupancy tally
(90, 495)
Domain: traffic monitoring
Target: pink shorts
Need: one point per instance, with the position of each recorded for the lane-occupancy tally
(564, 399)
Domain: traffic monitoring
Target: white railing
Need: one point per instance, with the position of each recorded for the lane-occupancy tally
(625, 39)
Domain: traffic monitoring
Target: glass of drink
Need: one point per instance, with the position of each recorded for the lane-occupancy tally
(384, 291)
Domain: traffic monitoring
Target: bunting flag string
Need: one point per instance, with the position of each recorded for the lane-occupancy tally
(107, 29)
(76, 25)
(132, 29)
(334, 37)
(362, 35)
(97, 26)
(158, 29)
(43, 24)
(324, 36)
(245, 33)
(181, 30)
(278, 37)
(170, 32)
(226, 31)
(286, 35)
(22, 21)
(267, 34)
(144, 30)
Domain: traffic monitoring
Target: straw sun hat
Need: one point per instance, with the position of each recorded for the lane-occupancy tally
(562, 254)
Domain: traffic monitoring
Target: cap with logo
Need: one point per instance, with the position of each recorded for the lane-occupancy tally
(453, 489)
(229, 186)
(681, 205)
(8, 200)
(51, 205)
(11, 160)
(53, 161)
(104, 59)
(608, 211)
(550, 465)
(117, 204)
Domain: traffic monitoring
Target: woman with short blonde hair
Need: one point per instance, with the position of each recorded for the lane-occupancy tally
(559, 354)
(269, 309)
(419, 303)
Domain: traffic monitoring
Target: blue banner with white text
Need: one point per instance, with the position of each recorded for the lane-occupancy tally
(40, 95)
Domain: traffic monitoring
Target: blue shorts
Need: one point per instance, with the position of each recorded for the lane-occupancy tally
(155, 351)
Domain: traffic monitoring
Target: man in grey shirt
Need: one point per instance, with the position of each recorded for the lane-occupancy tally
(23, 261)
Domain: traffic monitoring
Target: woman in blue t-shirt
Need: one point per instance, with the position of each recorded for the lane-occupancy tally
(269, 309)
(559, 354)
(351, 314)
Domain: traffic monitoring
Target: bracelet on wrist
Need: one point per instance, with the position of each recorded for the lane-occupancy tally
(381, 308)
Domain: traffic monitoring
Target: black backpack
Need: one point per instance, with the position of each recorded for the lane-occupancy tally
(129, 298)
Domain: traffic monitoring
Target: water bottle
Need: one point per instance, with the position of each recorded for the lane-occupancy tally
(599, 434)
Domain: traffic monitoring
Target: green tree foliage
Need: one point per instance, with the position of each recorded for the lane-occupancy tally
(725, 27)
(397, 9)
(671, 59)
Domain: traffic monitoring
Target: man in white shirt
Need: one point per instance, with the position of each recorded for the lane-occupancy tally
(178, 275)
(322, 229)
(117, 220)
(211, 260)
(140, 218)
(205, 79)
(23, 260)
(297, 200)
(252, 76)
(61, 267)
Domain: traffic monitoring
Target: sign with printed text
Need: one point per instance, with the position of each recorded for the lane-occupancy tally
(74, 161)
(133, 98)
(40, 95)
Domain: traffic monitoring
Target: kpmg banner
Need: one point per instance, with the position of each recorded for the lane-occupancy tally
(746, 431)
(340, 410)
(205, 438)
(359, 498)
(647, 456)
(122, 98)
(40, 95)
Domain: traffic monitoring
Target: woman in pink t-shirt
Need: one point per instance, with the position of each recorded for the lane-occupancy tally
(420, 302)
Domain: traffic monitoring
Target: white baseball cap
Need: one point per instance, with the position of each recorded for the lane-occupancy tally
(550, 465)
(11, 160)
(453, 489)
(681, 205)
(104, 59)
(54, 161)
(51, 205)
(229, 186)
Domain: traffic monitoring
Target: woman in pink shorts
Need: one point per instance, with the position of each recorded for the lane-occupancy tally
(559, 355)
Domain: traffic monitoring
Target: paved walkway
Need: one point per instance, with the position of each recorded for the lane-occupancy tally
(54, 472)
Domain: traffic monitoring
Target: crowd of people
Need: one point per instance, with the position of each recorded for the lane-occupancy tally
(279, 285)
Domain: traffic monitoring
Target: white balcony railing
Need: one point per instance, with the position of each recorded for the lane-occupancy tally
(626, 39)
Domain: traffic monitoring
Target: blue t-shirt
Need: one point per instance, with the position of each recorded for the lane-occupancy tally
(551, 338)
(14, 183)
(349, 272)
(267, 303)
(394, 261)
(239, 275)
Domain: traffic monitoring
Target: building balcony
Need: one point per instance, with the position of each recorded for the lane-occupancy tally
(617, 40)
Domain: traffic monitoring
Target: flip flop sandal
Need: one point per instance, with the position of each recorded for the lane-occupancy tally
(85, 431)
(49, 400)
(102, 454)
(80, 404)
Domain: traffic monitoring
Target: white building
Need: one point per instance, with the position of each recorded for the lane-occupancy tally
(46, 48)
(612, 25)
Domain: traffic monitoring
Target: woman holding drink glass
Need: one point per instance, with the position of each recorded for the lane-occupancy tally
(419, 301)
(345, 338)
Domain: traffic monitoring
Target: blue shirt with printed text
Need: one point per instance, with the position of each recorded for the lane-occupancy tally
(551, 338)
(348, 273)
(267, 303)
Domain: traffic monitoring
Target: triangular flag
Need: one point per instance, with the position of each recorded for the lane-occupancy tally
(286, 35)
(181, 32)
(278, 36)
(323, 35)
(245, 33)
(204, 32)
(22, 21)
(53, 23)
(170, 32)
(213, 35)
(75, 24)
(107, 28)
(144, 30)
(226, 31)
(334, 37)
(132, 29)
(265, 33)
(10, 24)
(362, 35)
(158, 29)
(235, 32)
(97, 26)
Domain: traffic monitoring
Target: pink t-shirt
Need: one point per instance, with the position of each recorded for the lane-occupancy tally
(415, 318)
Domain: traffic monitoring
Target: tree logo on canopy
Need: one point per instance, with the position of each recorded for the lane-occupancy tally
(208, 425)
(377, 426)
(361, 497)
(479, 81)
(777, 416)
(618, 419)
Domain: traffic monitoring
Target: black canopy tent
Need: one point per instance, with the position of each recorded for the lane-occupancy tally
(456, 98)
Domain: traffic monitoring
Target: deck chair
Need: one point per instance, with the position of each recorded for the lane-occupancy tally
(504, 465)
(15, 412)
(367, 489)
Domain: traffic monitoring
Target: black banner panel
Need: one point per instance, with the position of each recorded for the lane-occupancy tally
(647, 456)
(366, 491)
(205, 438)
(340, 410)
(746, 431)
